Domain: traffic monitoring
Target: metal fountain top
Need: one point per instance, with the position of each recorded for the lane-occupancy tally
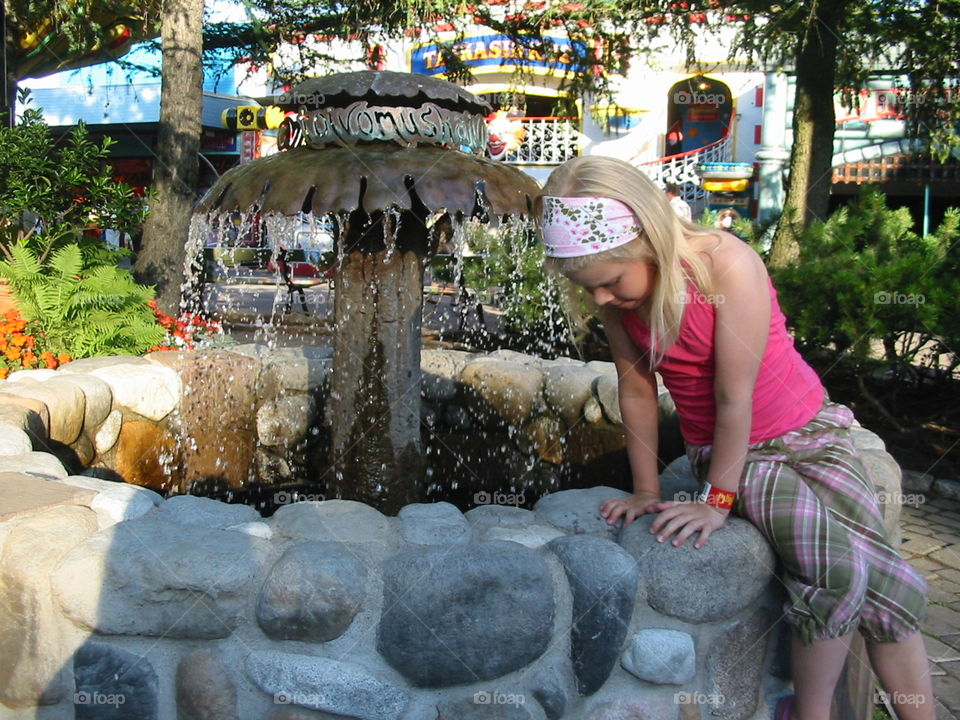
(389, 139)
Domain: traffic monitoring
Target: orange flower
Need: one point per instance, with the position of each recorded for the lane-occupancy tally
(13, 353)
(49, 359)
(63, 358)
(4, 372)
(19, 339)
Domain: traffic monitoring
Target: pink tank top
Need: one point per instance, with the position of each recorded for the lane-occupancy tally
(787, 394)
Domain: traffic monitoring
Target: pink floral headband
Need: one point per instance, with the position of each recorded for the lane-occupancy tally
(576, 226)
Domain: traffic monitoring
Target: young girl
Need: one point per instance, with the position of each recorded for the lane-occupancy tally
(697, 306)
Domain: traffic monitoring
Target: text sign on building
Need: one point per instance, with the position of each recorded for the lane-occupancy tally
(495, 53)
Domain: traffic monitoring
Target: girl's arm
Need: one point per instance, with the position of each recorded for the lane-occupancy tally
(637, 388)
(742, 301)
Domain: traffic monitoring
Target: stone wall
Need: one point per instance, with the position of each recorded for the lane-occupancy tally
(116, 603)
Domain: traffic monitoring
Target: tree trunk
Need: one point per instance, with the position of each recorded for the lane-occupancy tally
(160, 261)
(814, 122)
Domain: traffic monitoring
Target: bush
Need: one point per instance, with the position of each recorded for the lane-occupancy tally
(869, 287)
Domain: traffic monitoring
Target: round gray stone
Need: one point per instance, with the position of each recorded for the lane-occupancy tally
(465, 613)
(719, 580)
(578, 511)
(146, 577)
(664, 657)
(341, 520)
(500, 515)
(324, 684)
(603, 579)
(312, 593)
(203, 512)
(532, 536)
(112, 684)
(433, 524)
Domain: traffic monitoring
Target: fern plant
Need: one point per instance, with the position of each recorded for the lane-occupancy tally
(82, 306)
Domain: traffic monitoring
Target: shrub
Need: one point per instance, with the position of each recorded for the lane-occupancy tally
(869, 287)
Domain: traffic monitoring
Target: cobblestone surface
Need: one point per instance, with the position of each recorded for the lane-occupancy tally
(931, 542)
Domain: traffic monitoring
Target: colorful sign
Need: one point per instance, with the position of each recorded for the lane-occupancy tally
(497, 53)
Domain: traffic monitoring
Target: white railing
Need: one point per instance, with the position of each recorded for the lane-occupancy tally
(682, 169)
(547, 141)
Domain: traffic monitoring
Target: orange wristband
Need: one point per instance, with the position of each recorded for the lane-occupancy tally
(722, 499)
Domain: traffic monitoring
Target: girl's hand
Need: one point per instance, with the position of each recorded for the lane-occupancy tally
(630, 508)
(687, 518)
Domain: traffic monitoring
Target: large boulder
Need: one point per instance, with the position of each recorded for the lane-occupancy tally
(487, 610)
(195, 582)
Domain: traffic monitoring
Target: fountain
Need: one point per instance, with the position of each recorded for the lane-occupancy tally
(384, 155)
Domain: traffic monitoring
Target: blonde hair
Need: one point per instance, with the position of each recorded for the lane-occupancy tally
(663, 242)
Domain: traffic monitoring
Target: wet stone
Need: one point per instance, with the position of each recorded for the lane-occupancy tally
(664, 657)
(113, 684)
(717, 581)
(487, 610)
(578, 511)
(603, 579)
(512, 389)
(608, 394)
(312, 593)
(567, 389)
(323, 684)
(433, 524)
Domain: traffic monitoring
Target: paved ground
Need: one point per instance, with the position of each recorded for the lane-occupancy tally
(931, 542)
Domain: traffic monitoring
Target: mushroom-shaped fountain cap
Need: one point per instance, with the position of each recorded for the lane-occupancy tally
(371, 178)
(380, 88)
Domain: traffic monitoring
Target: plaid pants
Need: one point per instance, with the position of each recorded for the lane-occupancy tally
(809, 495)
